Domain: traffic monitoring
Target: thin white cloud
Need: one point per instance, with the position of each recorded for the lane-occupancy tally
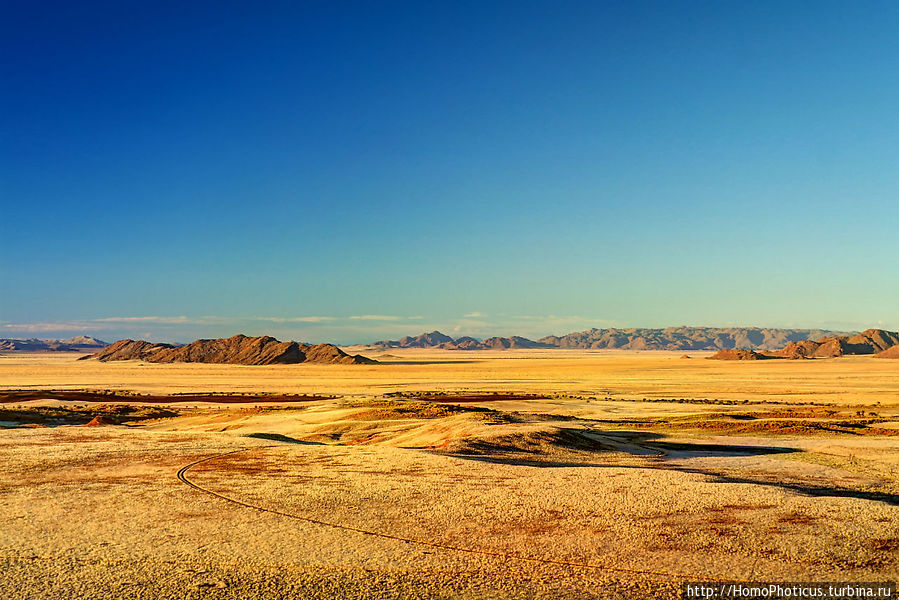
(41, 327)
(152, 319)
(313, 319)
(348, 329)
(375, 318)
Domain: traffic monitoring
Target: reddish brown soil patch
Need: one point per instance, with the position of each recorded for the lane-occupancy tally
(9, 397)
(767, 422)
(804, 427)
(457, 397)
(99, 421)
(732, 507)
(49, 416)
(381, 410)
(796, 518)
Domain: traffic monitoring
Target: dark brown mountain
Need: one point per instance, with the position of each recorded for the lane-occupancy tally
(239, 350)
(462, 343)
(128, 350)
(81, 343)
(435, 339)
(425, 340)
(685, 338)
(870, 341)
(505, 343)
(876, 338)
(780, 343)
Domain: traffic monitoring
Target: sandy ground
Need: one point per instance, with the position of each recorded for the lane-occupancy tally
(369, 497)
(625, 374)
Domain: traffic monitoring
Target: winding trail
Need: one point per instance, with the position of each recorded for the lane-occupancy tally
(182, 476)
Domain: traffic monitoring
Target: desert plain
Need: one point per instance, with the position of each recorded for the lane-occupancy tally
(445, 474)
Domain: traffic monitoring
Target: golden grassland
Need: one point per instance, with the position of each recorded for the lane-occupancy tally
(623, 374)
(625, 474)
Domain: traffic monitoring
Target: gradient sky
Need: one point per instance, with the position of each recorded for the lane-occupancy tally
(331, 171)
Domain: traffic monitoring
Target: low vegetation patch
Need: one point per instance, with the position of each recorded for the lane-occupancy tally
(785, 422)
(14, 396)
(890, 545)
(535, 444)
(465, 396)
(379, 410)
(103, 414)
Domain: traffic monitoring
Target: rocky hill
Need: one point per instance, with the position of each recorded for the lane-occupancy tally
(670, 338)
(505, 343)
(881, 343)
(685, 338)
(425, 340)
(128, 350)
(870, 341)
(239, 350)
(889, 353)
(435, 339)
(81, 343)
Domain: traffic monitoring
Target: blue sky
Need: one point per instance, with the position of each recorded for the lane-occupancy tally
(331, 171)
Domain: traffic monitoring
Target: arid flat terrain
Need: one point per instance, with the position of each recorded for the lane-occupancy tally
(591, 474)
(626, 374)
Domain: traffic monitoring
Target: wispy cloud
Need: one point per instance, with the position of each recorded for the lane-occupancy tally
(170, 320)
(313, 319)
(41, 327)
(475, 315)
(375, 318)
(184, 323)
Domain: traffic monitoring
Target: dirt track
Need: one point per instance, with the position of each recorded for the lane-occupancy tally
(531, 495)
(665, 576)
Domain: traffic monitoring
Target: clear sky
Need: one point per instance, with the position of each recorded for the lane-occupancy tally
(332, 171)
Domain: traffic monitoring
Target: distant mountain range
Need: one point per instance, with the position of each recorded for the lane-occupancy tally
(670, 338)
(880, 343)
(786, 343)
(81, 343)
(686, 338)
(435, 339)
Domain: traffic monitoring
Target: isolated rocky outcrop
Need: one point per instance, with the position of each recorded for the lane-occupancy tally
(740, 355)
(81, 343)
(238, 350)
(870, 341)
